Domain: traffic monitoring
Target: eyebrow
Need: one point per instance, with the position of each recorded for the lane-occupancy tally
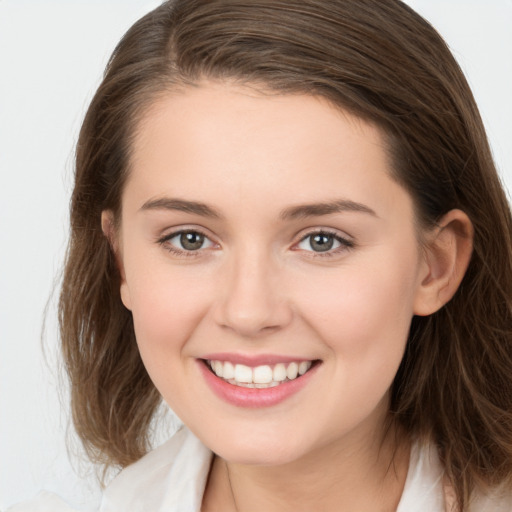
(167, 203)
(290, 213)
(318, 209)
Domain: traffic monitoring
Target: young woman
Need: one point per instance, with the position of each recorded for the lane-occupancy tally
(287, 223)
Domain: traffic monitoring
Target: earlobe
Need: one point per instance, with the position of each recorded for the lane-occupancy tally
(109, 230)
(447, 255)
(125, 295)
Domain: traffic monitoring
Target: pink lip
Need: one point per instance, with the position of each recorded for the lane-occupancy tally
(253, 397)
(253, 360)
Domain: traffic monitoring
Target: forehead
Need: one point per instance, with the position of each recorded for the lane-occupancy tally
(221, 141)
(247, 117)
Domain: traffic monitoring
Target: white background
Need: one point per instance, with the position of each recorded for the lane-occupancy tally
(52, 54)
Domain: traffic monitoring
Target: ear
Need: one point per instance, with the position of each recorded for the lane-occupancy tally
(448, 251)
(112, 235)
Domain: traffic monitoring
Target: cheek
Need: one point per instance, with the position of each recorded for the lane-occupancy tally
(362, 319)
(363, 315)
(363, 300)
(167, 305)
(167, 308)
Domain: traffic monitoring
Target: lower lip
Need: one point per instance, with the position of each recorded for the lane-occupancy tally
(254, 397)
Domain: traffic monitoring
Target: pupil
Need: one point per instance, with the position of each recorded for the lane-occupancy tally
(322, 243)
(191, 241)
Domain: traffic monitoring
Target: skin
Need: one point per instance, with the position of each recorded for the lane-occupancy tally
(257, 286)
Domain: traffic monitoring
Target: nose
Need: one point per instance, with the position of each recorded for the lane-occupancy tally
(252, 299)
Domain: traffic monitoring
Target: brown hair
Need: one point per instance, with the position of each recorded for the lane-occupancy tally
(381, 61)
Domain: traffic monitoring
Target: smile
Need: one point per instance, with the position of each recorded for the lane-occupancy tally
(256, 381)
(261, 377)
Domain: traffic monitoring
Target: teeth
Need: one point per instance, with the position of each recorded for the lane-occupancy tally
(217, 368)
(242, 373)
(264, 376)
(304, 367)
(292, 371)
(228, 371)
(279, 372)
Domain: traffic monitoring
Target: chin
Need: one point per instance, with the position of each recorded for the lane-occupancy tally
(263, 450)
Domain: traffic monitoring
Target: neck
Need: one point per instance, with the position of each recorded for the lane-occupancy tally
(338, 476)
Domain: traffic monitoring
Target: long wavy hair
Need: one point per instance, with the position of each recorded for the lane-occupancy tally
(381, 61)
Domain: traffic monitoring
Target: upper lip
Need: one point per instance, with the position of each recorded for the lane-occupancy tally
(254, 360)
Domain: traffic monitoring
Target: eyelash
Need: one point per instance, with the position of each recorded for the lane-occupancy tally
(164, 242)
(345, 244)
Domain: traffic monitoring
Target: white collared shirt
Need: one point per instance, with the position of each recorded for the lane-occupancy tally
(172, 478)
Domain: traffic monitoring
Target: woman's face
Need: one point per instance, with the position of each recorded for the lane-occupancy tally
(263, 235)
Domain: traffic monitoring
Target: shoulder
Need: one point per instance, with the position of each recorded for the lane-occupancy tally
(425, 487)
(171, 477)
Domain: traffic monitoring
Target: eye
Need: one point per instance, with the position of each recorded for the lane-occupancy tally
(324, 242)
(186, 241)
